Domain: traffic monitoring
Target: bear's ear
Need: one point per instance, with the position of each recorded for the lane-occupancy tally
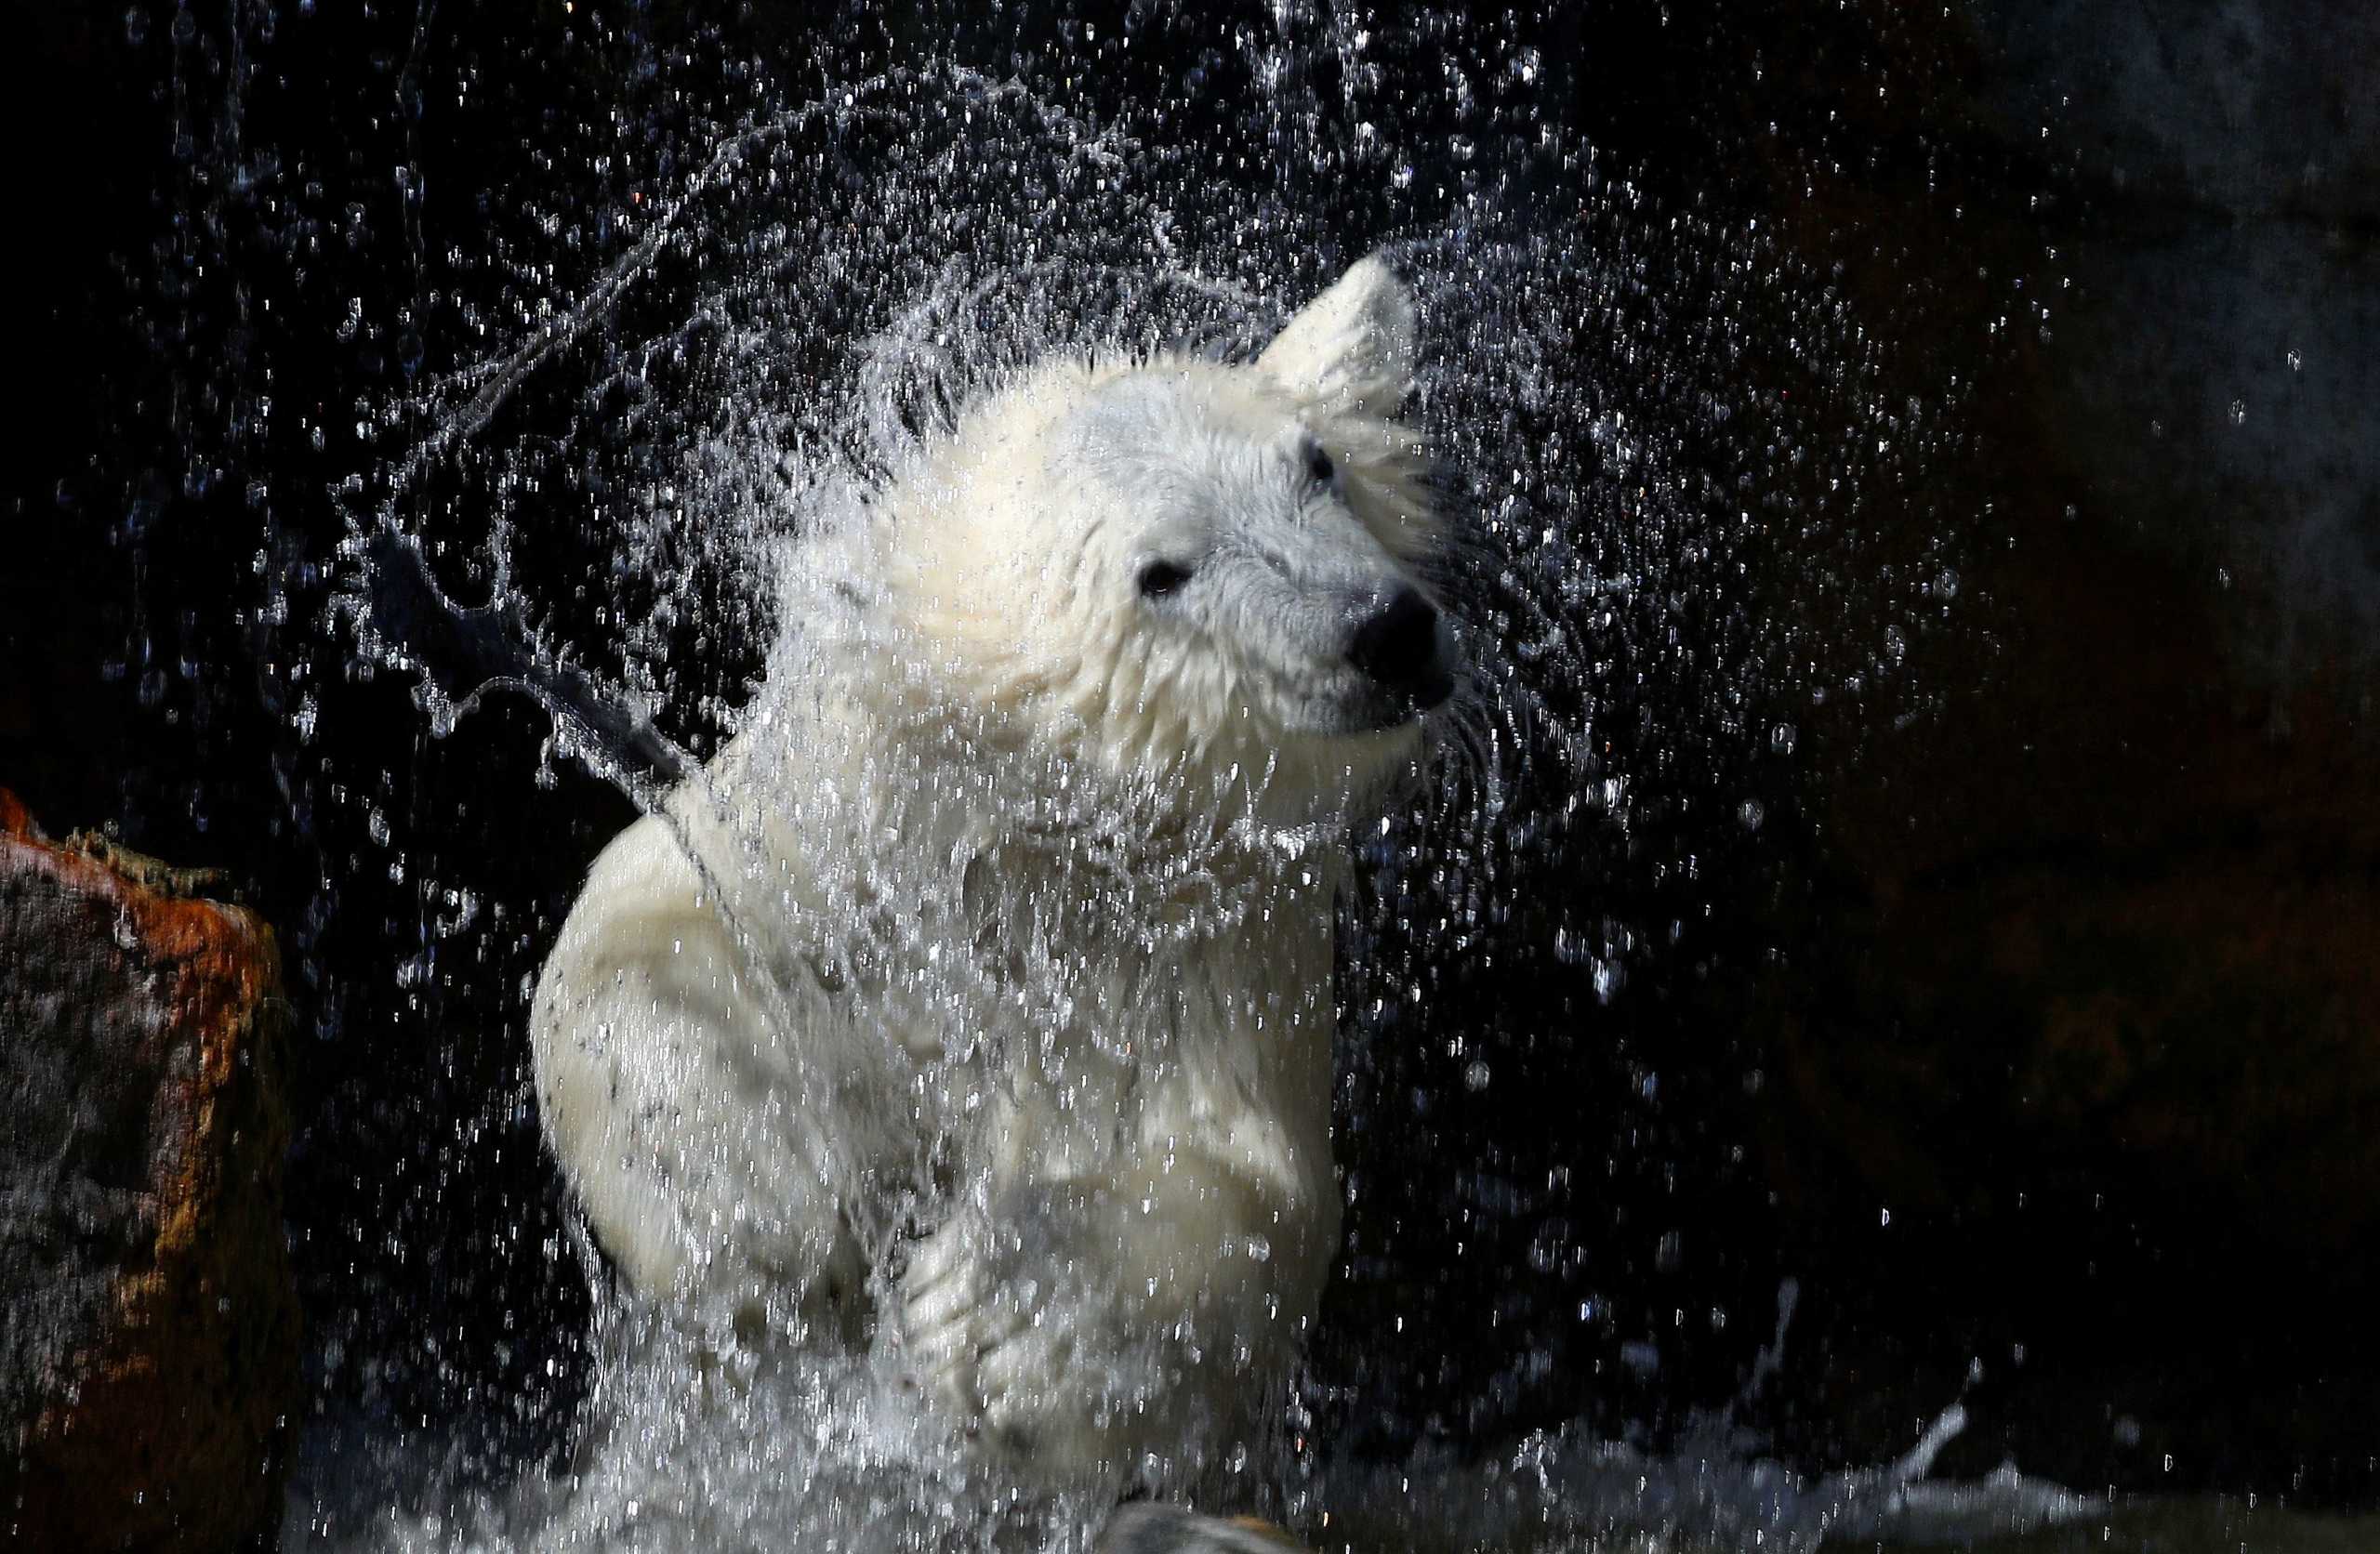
(1352, 348)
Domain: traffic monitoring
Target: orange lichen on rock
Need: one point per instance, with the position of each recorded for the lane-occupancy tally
(154, 1364)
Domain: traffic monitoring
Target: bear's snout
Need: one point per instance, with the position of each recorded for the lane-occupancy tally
(1397, 647)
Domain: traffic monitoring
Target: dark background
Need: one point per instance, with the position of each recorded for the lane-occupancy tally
(2035, 1030)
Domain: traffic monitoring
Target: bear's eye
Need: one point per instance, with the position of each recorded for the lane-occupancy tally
(1318, 465)
(1160, 578)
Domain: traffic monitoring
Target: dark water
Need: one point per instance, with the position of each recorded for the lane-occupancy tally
(1926, 554)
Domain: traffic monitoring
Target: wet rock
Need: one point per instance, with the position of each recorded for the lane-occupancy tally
(2217, 275)
(2101, 944)
(149, 1338)
(2161, 980)
(1148, 1527)
(2069, 1063)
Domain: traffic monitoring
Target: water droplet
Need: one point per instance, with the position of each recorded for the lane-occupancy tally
(2239, 411)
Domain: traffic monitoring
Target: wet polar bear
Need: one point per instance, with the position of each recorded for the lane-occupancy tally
(974, 1002)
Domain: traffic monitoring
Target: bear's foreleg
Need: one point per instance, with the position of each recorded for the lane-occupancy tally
(666, 1095)
(1089, 1323)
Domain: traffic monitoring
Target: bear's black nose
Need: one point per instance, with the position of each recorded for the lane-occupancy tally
(1397, 647)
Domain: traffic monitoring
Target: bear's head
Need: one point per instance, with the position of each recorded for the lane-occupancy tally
(1210, 575)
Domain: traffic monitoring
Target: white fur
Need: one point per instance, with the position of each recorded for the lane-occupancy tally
(978, 995)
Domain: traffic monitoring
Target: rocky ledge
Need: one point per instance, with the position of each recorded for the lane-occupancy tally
(149, 1335)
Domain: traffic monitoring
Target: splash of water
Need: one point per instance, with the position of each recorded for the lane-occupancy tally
(759, 352)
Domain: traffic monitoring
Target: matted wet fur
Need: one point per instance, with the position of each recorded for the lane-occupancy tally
(973, 1004)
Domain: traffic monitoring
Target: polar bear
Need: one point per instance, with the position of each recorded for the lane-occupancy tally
(974, 1002)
